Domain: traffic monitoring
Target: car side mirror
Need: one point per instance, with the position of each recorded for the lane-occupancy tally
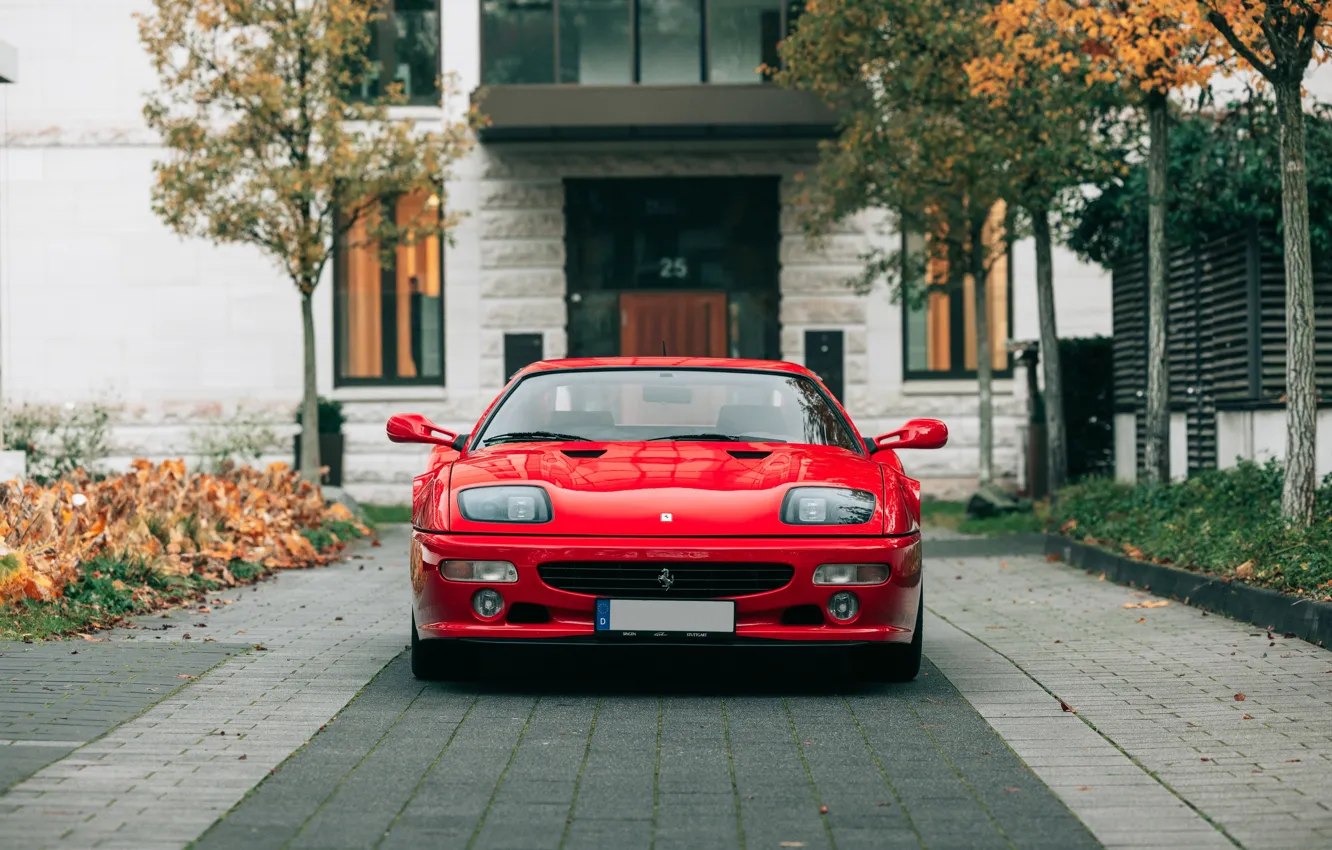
(916, 434)
(415, 428)
(460, 441)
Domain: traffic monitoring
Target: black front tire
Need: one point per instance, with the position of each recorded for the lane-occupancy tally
(442, 660)
(893, 662)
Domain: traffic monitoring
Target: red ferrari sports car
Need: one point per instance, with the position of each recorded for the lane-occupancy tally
(666, 500)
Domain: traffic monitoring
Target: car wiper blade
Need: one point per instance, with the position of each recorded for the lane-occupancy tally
(534, 437)
(721, 438)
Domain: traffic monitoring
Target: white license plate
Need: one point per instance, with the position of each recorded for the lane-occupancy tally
(659, 617)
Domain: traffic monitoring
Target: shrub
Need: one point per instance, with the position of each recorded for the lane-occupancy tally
(1226, 522)
(58, 441)
(243, 438)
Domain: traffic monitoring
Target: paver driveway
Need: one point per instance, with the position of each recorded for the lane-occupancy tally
(297, 724)
(653, 750)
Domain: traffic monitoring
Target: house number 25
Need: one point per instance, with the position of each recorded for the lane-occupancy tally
(674, 267)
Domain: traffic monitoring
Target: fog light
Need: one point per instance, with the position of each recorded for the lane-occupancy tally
(851, 574)
(488, 603)
(842, 606)
(490, 572)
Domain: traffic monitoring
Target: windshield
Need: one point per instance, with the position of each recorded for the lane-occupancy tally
(633, 405)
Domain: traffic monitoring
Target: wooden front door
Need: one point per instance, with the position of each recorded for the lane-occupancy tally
(691, 324)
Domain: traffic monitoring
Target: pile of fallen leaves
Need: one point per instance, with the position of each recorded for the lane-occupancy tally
(1224, 522)
(164, 520)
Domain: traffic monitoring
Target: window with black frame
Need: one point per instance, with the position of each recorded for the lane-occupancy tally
(939, 331)
(404, 48)
(620, 42)
(389, 311)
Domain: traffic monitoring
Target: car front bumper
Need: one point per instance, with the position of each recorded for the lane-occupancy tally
(443, 608)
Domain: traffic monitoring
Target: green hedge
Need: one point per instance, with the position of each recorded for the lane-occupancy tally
(1225, 522)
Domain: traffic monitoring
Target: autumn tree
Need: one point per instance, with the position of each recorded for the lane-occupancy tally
(1151, 48)
(1281, 40)
(1058, 134)
(267, 146)
(913, 141)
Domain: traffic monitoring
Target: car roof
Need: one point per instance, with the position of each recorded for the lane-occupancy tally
(726, 363)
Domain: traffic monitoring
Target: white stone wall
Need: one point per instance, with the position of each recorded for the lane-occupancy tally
(1082, 295)
(1260, 436)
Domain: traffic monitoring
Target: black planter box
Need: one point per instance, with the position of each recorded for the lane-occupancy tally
(330, 456)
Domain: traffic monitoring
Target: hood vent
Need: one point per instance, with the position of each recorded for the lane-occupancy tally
(583, 452)
(748, 454)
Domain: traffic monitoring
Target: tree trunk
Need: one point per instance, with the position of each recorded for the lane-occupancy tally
(984, 356)
(1158, 384)
(1297, 496)
(310, 398)
(1056, 440)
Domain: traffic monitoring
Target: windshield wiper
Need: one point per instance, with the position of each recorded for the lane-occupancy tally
(721, 438)
(534, 437)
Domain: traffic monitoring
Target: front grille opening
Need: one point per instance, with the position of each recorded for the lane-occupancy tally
(803, 615)
(665, 580)
(528, 613)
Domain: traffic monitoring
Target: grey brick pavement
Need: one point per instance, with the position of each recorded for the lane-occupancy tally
(162, 778)
(1154, 690)
(712, 750)
(55, 697)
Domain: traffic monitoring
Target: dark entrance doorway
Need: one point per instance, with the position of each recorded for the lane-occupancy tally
(692, 262)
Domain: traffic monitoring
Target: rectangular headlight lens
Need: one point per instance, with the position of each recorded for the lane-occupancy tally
(490, 572)
(859, 574)
(827, 506)
(505, 504)
(813, 510)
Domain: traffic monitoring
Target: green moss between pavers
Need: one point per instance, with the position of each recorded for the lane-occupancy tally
(110, 589)
(1223, 522)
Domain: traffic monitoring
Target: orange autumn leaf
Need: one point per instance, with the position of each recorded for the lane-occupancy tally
(177, 522)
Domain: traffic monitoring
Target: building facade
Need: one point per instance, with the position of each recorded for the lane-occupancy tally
(636, 185)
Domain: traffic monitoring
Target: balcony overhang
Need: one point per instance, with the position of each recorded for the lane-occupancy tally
(530, 113)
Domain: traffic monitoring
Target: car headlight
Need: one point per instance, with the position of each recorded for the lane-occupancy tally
(505, 504)
(851, 574)
(827, 506)
(490, 572)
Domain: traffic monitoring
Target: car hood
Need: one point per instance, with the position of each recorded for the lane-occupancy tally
(674, 489)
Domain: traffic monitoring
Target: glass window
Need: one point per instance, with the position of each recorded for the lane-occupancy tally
(941, 332)
(595, 44)
(635, 405)
(742, 35)
(389, 317)
(517, 41)
(670, 34)
(404, 48)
